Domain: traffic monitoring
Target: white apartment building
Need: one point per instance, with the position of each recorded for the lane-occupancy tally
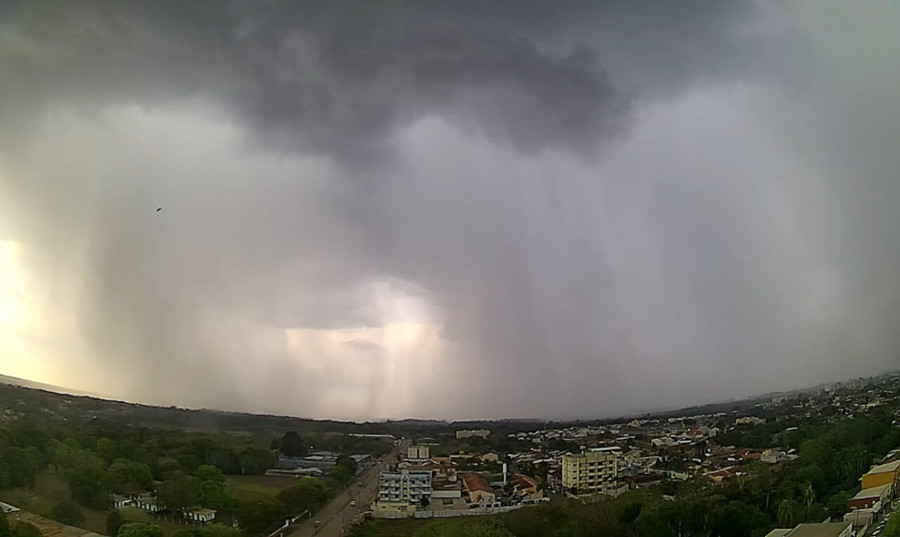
(404, 487)
(591, 472)
(418, 453)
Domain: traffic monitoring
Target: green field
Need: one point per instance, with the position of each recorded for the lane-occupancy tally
(388, 528)
(251, 487)
(49, 490)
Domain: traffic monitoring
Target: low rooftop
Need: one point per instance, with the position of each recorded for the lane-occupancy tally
(476, 482)
(828, 529)
(874, 492)
(203, 511)
(884, 468)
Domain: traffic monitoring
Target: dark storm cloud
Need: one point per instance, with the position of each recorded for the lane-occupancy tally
(605, 206)
(341, 78)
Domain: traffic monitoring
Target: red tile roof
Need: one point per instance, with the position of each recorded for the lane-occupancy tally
(521, 480)
(476, 482)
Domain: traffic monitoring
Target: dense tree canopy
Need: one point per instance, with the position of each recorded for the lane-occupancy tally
(179, 491)
(128, 477)
(139, 529)
(259, 516)
(214, 492)
(292, 445)
(17, 468)
(309, 494)
(87, 484)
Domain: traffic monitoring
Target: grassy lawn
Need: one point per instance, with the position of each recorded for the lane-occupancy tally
(388, 528)
(26, 500)
(251, 487)
(49, 490)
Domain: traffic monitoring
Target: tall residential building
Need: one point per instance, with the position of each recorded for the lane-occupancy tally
(591, 472)
(418, 452)
(403, 488)
(480, 433)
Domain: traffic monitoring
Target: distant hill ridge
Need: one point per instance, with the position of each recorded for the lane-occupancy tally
(15, 381)
(92, 406)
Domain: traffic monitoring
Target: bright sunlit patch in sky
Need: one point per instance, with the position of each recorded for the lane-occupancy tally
(394, 355)
(12, 297)
(38, 337)
(17, 356)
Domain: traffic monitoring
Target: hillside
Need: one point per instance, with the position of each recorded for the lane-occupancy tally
(15, 381)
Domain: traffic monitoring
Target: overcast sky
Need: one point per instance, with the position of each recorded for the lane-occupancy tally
(514, 208)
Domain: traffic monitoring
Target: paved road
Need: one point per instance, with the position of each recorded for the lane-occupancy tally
(336, 517)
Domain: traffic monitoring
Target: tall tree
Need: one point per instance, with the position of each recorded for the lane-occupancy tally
(128, 477)
(309, 494)
(179, 491)
(348, 461)
(214, 489)
(292, 445)
(809, 497)
(209, 472)
(255, 461)
(259, 516)
(785, 513)
(87, 485)
(214, 495)
(341, 475)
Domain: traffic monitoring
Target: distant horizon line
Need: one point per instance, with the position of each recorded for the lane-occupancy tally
(61, 390)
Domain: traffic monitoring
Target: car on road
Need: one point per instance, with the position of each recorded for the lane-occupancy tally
(352, 503)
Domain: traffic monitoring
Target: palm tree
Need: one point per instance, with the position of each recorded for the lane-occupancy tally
(785, 513)
(809, 496)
